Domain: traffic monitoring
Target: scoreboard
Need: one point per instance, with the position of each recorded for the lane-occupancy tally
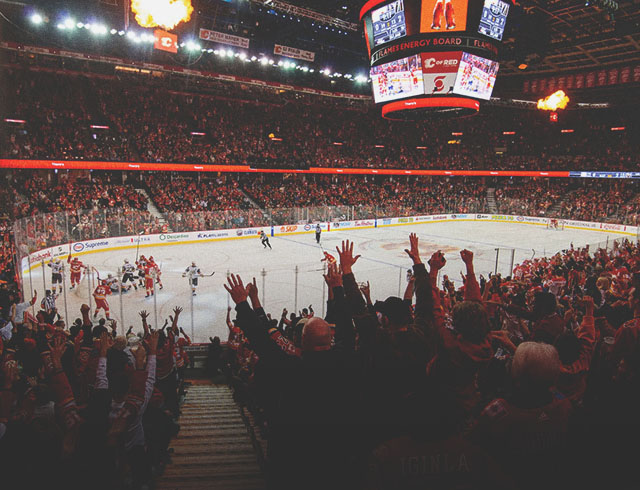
(433, 55)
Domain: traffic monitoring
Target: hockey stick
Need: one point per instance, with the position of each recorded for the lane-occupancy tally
(207, 275)
(138, 247)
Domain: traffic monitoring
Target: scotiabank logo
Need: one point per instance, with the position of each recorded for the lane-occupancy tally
(438, 83)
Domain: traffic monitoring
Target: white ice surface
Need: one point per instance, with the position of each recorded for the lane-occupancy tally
(383, 263)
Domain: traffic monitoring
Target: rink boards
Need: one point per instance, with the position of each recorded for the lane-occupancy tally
(37, 259)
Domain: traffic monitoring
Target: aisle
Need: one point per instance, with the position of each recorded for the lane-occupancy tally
(213, 449)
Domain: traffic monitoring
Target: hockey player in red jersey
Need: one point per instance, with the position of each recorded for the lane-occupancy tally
(328, 258)
(76, 270)
(156, 271)
(148, 278)
(100, 295)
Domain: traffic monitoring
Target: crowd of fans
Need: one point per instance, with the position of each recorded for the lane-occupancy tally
(85, 116)
(82, 404)
(526, 381)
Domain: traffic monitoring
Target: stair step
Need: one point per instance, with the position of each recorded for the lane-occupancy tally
(218, 484)
(213, 448)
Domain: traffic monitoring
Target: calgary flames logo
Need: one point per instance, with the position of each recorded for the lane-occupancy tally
(163, 13)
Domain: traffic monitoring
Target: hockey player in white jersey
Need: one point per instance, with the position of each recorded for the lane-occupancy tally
(128, 275)
(57, 268)
(193, 272)
(113, 283)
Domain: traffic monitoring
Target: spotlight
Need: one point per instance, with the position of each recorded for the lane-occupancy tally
(37, 19)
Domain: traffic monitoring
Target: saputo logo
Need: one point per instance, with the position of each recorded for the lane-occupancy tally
(173, 237)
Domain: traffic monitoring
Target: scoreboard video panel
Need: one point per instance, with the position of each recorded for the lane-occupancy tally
(431, 56)
(493, 19)
(389, 23)
(398, 79)
(443, 15)
(439, 71)
(476, 77)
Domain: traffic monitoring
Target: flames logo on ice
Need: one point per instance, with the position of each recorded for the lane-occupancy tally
(555, 101)
(163, 13)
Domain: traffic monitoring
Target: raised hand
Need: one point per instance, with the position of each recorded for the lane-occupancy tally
(588, 303)
(140, 353)
(366, 290)
(144, 315)
(152, 342)
(437, 261)
(106, 342)
(347, 260)
(57, 351)
(333, 277)
(466, 256)
(177, 310)
(252, 289)
(414, 251)
(85, 309)
(236, 289)
(9, 374)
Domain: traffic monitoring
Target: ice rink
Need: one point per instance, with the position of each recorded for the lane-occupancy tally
(383, 263)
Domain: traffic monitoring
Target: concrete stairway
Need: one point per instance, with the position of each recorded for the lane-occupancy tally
(491, 200)
(555, 208)
(213, 449)
(151, 207)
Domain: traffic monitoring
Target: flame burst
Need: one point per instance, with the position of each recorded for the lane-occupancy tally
(555, 101)
(163, 13)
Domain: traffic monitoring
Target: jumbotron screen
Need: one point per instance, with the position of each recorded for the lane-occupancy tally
(433, 55)
(388, 23)
(398, 79)
(476, 77)
(494, 18)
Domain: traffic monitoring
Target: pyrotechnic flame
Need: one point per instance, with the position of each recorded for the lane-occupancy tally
(163, 13)
(557, 100)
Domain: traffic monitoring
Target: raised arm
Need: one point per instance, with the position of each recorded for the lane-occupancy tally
(345, 336)
(586, 334)
(144, 315)
(424, 313)
(249, 322)
(229, 323)
(472, 288)
(174, 321)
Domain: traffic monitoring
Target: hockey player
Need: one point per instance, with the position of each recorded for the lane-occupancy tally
(318, 232)
(149, 271)
(193, 272)
(142, 261)
(57, 268)
(265, 239)
(128, 270)
(76, 268)
(100, 295)
(156, 270)
(113, 283)
(328, 258)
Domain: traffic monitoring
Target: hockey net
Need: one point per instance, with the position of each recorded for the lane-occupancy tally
(555, 224)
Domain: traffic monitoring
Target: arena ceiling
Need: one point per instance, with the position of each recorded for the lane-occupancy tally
(551, 36)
